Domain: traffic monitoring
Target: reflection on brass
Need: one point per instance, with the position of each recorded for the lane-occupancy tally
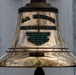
(38, 50)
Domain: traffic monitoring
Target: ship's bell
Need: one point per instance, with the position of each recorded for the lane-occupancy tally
(38, 42)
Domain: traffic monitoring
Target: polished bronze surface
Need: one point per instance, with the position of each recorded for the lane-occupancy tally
(25, 53)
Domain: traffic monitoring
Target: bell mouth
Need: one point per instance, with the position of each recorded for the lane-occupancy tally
(34, 59)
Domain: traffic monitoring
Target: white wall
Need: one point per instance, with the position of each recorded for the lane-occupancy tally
(8, 22)
(74, 28)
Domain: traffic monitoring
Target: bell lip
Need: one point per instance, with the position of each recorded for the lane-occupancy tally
(40, 6)
(38, 66)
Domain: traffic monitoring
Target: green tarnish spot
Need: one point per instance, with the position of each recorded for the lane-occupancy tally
(38, 38)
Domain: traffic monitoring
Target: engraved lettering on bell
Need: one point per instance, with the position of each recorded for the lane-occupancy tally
(38, 27)
(25, 19)
(38, 42)
(39, 16)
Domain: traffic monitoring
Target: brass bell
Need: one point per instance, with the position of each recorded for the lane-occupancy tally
(38, 42)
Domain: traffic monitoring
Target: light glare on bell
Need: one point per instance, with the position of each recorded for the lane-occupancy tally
(38, 42)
